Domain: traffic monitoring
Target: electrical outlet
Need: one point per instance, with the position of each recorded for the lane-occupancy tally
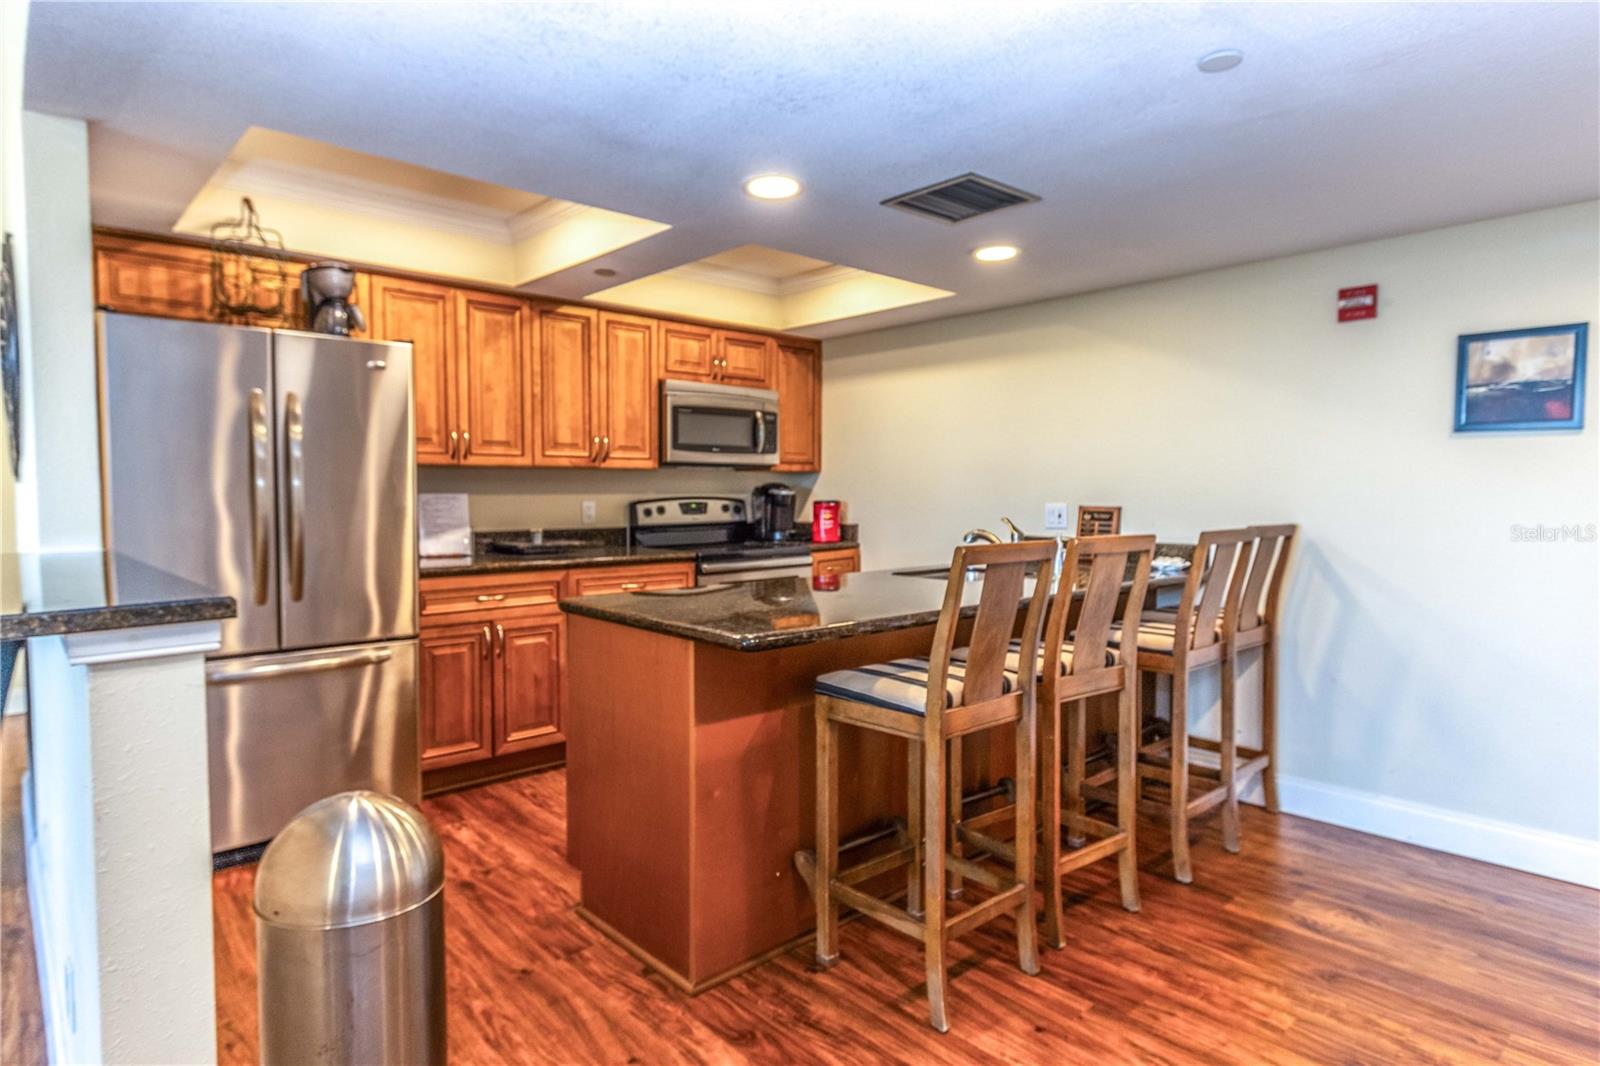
(1055, 516)
(588, 512)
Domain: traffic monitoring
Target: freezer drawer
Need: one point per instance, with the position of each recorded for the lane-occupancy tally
(288, 729)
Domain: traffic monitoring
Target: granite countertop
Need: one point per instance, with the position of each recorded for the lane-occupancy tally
(784, 612)
(74, 596)
(607, 549)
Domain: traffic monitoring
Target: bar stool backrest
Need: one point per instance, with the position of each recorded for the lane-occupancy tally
(1216, 578)
(1098, 566)
(1004, 568)
(1258, 604)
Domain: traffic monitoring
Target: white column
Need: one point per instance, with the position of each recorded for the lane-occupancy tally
(119, 844)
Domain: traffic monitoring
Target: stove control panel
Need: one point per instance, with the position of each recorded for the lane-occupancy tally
(686, 510)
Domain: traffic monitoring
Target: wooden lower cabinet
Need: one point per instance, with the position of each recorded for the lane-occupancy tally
(602, 580)
(528, 677)
(457, 679)
(835, 561)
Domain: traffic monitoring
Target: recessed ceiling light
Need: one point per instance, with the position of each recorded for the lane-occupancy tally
(772, 187)
(1220, 60)
(994, 253)
(605, 272)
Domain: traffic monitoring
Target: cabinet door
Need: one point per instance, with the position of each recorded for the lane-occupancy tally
(746, 359)
(687, 351)
(628, 390)
(424, 315)
(799, 380)
(567, 432)
(455, 694)
(529, 693)
(495, 380)
(151, 278)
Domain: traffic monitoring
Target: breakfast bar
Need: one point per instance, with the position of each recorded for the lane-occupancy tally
(690, 754)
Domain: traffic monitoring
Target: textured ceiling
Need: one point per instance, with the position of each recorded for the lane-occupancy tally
(1345, 122)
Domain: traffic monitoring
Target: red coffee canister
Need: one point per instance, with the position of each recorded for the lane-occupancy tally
(824, 521)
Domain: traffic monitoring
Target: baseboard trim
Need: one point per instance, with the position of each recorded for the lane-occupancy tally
(1536, 851)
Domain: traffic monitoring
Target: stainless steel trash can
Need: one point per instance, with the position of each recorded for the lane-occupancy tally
(349, 906)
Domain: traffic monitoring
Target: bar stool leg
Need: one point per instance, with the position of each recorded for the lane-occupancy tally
(1128, 790)
(1023, 842)
(957, 887)
(914, 827)
(1269, 722)
(935, 821)
(1050, 822)
(827, 836)
(1228, 751)
(1182, 868)
(1076, 727)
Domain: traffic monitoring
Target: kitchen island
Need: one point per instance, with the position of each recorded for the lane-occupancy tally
(690, 768)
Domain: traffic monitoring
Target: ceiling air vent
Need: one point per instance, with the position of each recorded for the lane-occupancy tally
(959, 199)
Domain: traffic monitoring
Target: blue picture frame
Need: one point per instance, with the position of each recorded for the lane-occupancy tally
(1504, 386)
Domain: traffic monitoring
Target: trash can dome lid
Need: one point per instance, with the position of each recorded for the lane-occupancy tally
(351, 859)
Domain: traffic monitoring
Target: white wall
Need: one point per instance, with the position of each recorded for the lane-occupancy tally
(58, 493)
(1436, 673)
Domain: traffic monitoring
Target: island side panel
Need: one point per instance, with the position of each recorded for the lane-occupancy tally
(754, 789)
(629, 783)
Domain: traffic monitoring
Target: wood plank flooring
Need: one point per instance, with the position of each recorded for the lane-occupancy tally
(1316, 944)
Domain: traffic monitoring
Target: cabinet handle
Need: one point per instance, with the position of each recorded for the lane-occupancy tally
(491, 598)
(605, 448)
(500, 632)
(594, 450)
(626, 585)
(488, 639)
(455, 443)
(466, 444)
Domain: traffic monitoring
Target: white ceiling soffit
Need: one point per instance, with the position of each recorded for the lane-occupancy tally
(767, 288)
(1345, 122)
(331, 201)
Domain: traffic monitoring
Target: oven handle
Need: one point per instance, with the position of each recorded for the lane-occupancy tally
(769, 563)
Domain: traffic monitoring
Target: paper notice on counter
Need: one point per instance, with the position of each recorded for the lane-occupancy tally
(443, 526)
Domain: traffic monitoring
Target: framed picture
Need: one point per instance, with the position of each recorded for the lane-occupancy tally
(1521, 379)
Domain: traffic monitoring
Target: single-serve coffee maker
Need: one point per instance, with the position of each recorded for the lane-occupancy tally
(325, 289)
(772, 511)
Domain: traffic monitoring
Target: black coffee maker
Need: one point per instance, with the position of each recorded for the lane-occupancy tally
(772, 511)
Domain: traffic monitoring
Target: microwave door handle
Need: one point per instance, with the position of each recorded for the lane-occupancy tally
(761, 433)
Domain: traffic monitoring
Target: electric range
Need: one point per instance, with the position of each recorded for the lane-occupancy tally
(717, 530)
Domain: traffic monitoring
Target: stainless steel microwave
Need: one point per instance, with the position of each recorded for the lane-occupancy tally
(718, 425)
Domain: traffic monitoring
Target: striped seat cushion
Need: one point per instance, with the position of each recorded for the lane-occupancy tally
(1014, 658)
(1157, 631)
(901, 685)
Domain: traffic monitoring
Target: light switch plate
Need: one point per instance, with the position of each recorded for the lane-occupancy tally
(588, 512)
(1055, 516)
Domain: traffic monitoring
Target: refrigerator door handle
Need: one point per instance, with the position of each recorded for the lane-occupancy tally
(222, 674)
(294, 428)
(260, 499)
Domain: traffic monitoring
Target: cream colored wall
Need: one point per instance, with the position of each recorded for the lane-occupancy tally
(553, 499)
(13, 35)
(1428, 658)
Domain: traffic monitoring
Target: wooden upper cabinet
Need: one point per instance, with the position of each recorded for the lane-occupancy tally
(424, 315)
(628, 410)
(567, 388)
(687, 351)
(457, 678)
(799, 381)
(528, 697)
(152, 278)
(744, 359)
(494, 380)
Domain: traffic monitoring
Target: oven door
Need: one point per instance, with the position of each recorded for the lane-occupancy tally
(718, 425)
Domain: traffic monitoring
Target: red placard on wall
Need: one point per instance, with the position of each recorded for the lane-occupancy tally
(1359, 302)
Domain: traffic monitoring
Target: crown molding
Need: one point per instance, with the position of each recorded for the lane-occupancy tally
(542, 217)
(832, 274)
(376, 199)
(708, 274)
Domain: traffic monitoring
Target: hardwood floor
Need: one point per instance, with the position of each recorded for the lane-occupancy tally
(21, 1013)
(1316, 944)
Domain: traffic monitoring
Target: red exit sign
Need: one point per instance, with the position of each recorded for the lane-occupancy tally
(1359, 302)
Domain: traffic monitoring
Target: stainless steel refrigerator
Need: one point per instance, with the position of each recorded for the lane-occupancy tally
(279, 468)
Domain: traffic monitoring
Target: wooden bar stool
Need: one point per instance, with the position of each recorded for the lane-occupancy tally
(932, 702)
(1177, 645)
(1085, 666)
